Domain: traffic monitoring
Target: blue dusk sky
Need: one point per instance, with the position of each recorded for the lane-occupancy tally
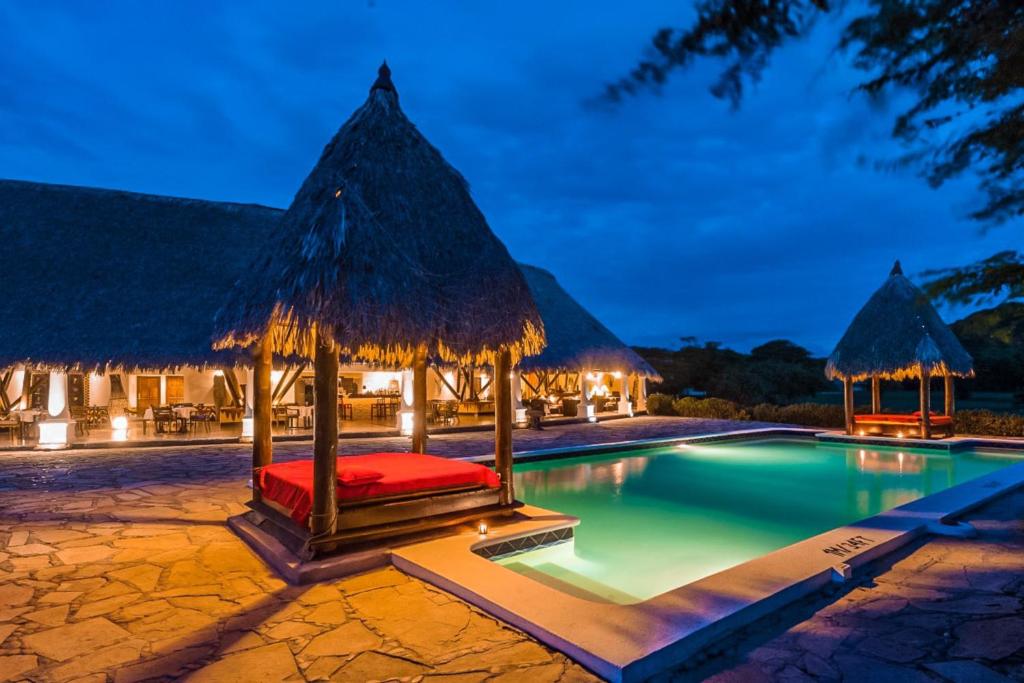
(668, 216)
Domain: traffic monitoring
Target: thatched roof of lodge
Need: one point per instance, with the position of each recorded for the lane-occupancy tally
(96, 278)
(896, 334)
(93, 278)
(576, 339)
(384, 245)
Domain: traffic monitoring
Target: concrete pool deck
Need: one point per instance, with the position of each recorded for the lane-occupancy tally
(117, 565)
(633, 642)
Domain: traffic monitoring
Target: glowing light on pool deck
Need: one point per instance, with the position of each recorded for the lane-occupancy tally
(656, 519)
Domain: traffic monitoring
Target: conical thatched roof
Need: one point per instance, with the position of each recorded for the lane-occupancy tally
(384, 244)
(576, 340)
(896, 334)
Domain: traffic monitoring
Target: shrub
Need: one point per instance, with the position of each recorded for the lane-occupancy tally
(804, 414)
(713, 408)
(659, 404)
(988, 423)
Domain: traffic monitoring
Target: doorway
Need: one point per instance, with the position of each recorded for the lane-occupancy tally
(147, 392)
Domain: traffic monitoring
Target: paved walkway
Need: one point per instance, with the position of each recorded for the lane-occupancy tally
(943, 610)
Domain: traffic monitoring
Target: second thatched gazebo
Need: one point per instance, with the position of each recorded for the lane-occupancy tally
(384, 257)
(898, 335)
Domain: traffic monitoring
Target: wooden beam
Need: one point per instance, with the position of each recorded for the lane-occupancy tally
(848, 404)
(876, 394)
(287, 381)
(26, 389)
(444, 381)
(484, 385)
(419, 400)
(324, 516)
(527, 383)
(262, 446)
(926, 399)
(5, 381)
(503, 425)
(473, 394)
(950, 395)
(234, 388)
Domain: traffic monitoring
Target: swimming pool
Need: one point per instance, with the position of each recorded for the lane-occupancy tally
(656, 519)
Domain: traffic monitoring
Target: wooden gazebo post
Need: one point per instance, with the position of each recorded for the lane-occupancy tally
(262, 444)
(926, 399)
(503, 425)
(419, 400)
(325, 436)
(848, 403)
(876, 395)
(950, 394)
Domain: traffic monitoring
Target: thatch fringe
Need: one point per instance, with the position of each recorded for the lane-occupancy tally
(575, 339)
(384, 246)
(896, 335)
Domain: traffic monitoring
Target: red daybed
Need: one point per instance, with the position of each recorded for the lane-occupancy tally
(380, 495)
(892, 424)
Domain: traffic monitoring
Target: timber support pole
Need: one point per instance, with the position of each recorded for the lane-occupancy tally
(926, 399)
(323, 519)
(950, 395)
(503, 425)
(876, 395)
(848, 403)
(419, 400)
(262, 445)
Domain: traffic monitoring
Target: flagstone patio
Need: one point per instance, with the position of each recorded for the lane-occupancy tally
(117, 565)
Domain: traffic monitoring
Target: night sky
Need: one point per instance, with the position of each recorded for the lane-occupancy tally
(669, 216)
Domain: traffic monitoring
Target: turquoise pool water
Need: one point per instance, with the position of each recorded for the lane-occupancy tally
(654, 520)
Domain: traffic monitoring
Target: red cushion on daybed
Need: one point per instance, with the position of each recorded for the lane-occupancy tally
(350, 475)
(290, 484)
(911, 419)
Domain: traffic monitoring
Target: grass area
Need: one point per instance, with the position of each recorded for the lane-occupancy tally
(904, 400)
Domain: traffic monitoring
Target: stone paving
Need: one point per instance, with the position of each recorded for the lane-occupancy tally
(943, 610)
(117, 565)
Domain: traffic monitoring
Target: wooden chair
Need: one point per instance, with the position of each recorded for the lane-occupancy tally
(80, 415)
(98, 416)
(345, 410)
(164, 421)
(448, 413)
(379, 410)
(202, 416)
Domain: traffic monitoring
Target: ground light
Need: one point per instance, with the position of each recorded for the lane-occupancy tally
(53, 434)
(482, 528)
(119, 425)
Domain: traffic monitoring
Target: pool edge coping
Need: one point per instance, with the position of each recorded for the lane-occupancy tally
(678, 623)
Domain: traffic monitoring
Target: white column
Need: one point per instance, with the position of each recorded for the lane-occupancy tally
(641, 394)
(585, 408)
(405, 410)
(53, 431)
(17, 388)
(625, 407)
(518, 410)
(247, 417)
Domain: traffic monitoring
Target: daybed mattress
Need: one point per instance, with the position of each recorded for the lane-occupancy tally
(290, 484)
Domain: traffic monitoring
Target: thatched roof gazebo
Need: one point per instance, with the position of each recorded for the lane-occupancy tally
(575, 338)
(384, 256)
(898, 335)
(578, 343)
